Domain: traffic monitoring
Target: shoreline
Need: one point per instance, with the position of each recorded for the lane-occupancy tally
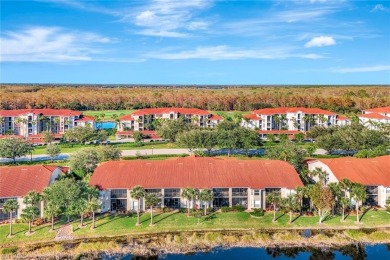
(183, 242)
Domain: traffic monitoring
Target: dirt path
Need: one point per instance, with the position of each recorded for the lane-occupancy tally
(64, 233)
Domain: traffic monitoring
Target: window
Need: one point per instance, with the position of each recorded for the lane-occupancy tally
(118, 194)
(172, 193)
(256, 192)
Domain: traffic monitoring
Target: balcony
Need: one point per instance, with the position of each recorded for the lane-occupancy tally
(240, 194)
(219, 194)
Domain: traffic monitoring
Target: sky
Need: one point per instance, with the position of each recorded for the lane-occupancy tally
(195, 42)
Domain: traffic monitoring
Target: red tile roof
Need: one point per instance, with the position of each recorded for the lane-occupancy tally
(163, 110)
(367, 171)
(197, 172)
(251, 116)
(215, 118)
(342, 118)
(45, 112)
(378, 110)
(17, 181)
(85, 118)
(374, 116)
(127, 118)
(285, 110)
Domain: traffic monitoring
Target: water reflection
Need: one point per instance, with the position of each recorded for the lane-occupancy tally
(354, 252)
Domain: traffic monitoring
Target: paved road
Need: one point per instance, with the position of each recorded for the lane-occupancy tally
(64, 156)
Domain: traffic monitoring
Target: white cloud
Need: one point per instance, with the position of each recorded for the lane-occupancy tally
(49, 44)
(380, 8)
(223, 52)
(168, 18)
(363, 69)
(320, 41)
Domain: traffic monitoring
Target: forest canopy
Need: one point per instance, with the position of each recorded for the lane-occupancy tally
(335, 98)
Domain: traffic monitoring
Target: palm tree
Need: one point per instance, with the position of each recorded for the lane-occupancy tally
(277, 121)
(188, 194)
(300, 193)
(10, 206)
(306, 119)
(336, 192)
(93, 205)
(359, 194)
(137, 192)
(283, 119)
(322, 119)
(151, 200)
(206, 196)
(290, 204)
(274, 199)
(321, 175)
(31, 211)
(344, 202)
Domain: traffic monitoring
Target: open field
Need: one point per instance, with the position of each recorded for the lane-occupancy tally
(116, 225)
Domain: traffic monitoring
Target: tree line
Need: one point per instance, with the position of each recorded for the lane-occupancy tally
(340, 100)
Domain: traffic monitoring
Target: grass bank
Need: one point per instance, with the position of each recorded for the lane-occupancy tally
(123, 225)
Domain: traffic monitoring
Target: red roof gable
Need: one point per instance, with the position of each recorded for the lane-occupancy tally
(374, 116)
(17, 181)
(342, 118)
(127, 118)
(45, 112)
(85, 118)
(367, 171)
(215, 117)
(163, 110)
(251, 116)
(197, 172)
(285, 110)
(378, 110)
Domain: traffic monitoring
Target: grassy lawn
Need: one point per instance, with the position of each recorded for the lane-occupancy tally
(123, 146)
(113, 225)
(107, 113)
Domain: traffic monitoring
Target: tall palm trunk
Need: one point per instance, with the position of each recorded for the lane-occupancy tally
(188, 208)
(138, 212)
(343, 216)
(10, 224)
(93, 220)
(274, 213)
(357, 213)
(290, 217)
(29, 227)
(82, 220)
(52, 222)
(205, 208)
(151, 215)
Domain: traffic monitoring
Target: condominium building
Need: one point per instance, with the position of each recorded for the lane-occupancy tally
(288, 120)
(375, 118)
(17, 181)
(373, 173)
(144, 119)
(32, 122)
(232, 181)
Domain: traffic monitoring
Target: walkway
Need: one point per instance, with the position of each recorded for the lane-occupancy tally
(64, 233)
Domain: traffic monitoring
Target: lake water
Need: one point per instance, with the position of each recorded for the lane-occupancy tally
(355, 252)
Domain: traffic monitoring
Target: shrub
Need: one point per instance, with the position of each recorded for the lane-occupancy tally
(166, 210)
(9, 250)
(226, 209)
(213, 237)
(238, 208)
(257, 212)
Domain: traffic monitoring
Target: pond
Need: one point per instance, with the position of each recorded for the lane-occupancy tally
(356, 251)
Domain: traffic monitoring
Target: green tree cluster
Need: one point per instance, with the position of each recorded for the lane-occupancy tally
(14, 147)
